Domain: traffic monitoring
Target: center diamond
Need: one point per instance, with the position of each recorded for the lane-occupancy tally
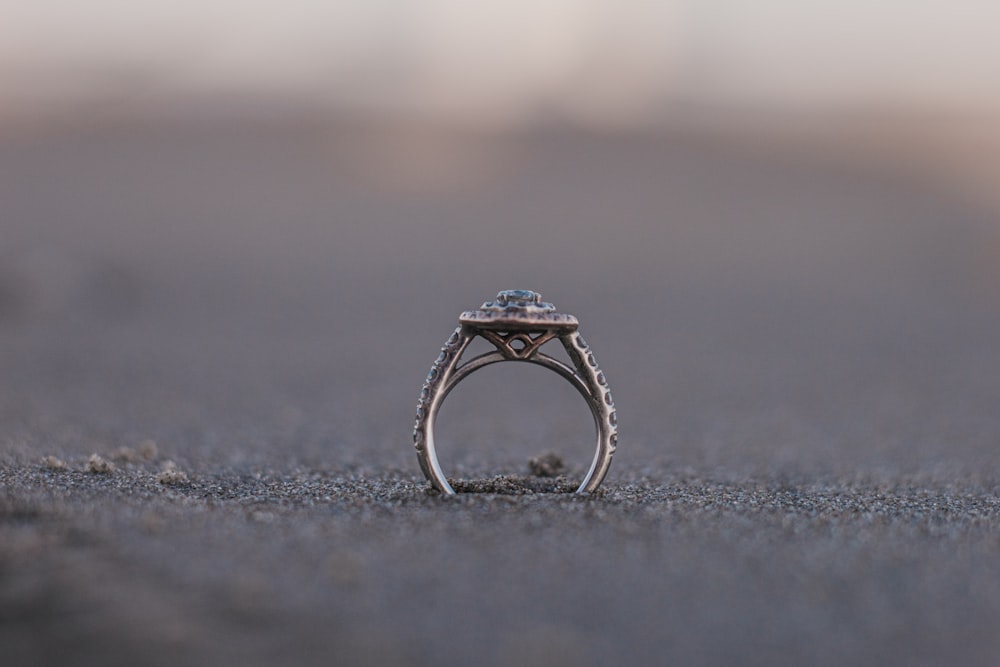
(519, 299)
(518, 310)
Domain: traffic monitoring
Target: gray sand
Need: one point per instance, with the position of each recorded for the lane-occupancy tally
(804, 359)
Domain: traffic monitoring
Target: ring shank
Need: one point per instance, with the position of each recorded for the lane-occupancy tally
(586, 378)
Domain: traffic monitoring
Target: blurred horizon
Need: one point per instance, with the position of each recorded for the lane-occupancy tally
(914, 87)
(512, 62)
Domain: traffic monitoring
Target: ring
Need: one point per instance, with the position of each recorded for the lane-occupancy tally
(517, 324)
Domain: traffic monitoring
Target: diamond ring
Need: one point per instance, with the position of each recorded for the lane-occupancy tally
(518, 323)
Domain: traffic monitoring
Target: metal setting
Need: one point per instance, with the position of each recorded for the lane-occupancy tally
(517, 324)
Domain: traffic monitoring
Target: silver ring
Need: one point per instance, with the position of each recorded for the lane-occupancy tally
(518, 324)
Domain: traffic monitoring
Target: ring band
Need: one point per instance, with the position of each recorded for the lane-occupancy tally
(517, 324)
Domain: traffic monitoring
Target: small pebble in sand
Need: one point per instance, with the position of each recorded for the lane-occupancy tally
(98, 465)
(546, 465)
(126, 454)
(147, 450)
(53, 463)
(171, 475)
(144, 451)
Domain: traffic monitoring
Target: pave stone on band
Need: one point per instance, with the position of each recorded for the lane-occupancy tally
(517, 324)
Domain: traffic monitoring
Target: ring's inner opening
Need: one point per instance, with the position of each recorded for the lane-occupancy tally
(519, 420)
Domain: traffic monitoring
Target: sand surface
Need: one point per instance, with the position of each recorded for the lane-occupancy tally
(805, 361)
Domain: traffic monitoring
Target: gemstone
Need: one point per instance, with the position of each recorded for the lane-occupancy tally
(513, 303)
(518, 297)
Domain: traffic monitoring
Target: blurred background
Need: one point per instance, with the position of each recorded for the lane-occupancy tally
(243, 229)
(918, 83)
(207, 211)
